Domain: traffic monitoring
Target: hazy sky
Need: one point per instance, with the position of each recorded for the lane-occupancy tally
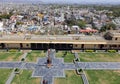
(68, 1)
(85, 1)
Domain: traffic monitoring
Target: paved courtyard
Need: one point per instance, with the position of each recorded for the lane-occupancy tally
(56, 70)
(58, 67)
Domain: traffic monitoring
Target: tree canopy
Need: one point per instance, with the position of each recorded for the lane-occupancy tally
(109, 26)
(5, 16)
(79, 23)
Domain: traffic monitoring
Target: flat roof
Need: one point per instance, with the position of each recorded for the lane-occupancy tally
(69, 39)
(115, 33)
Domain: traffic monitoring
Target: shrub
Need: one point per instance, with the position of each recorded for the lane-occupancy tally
(80, 70)
(66, 75)
(89, 50)
(112, 51)
(22, 59)
(16, 70)
(45, 51)
(76, 59)
(13, 50)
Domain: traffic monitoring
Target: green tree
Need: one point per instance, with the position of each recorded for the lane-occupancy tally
(81, 24)
(5, 16)
(109, 26)
(18, 23)
(72, 22)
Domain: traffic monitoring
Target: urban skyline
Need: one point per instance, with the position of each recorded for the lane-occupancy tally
(66, 1)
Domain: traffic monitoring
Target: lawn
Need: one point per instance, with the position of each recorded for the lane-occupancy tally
(33, 55)
(25, 78)
(71, 78)
(103, 77)
(4, 74)
(10, 56)
(99, 57)
(67, 58)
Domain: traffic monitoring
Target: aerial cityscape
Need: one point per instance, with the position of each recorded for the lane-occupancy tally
(59, 42)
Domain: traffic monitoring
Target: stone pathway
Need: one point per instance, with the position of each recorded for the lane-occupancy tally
(12, 75)
(24, 55)
(10, 65)
(83, 75)
(84, 78)
(76, 55)
(99, 65)
(13, 72)
(58, 67)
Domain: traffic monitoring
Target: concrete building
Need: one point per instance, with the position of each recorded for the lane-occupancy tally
(62, 42)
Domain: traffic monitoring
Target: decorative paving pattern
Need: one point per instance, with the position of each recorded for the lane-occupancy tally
(56, 70)
(100, 65)
(10, 65)
(41, 69)
(58, 66)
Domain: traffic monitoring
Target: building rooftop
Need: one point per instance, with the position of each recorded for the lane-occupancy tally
(51, 39)
(115, 33)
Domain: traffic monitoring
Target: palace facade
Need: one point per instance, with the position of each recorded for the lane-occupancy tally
(111, 40)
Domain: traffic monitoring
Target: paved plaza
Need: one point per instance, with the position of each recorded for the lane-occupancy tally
(58, 67)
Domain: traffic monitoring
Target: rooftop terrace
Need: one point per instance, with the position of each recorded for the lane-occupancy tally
(51, 39)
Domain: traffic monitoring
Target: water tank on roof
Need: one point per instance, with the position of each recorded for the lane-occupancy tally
(45, 19)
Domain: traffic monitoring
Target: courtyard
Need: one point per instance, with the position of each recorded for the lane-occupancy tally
(34, 70)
